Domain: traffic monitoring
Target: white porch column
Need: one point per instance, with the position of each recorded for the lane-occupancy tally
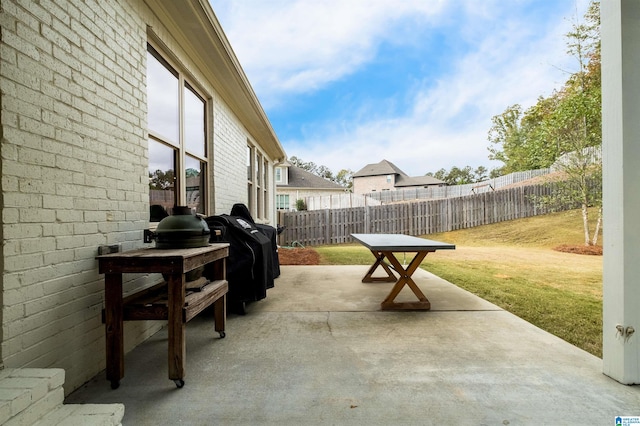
(620, 30)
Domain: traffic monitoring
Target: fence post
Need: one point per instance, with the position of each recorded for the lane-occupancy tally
(280, 221)
(367, 220)
(327, 226)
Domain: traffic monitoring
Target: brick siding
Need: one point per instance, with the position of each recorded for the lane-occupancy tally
(366, 184)
(74, 171)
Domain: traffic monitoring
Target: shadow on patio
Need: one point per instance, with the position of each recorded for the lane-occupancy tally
(318, 350)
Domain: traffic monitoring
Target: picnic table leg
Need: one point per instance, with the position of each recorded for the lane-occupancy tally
(405, 279)
(369, 278)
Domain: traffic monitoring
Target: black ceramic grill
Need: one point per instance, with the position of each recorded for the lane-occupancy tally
(182, 229)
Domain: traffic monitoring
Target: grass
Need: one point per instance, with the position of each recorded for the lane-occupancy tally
(513, 265)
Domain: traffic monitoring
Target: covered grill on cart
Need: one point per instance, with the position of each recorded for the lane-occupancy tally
(253, 263)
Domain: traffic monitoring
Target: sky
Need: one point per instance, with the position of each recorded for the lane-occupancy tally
(346, 83)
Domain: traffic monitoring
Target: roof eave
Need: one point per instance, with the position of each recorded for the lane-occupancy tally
(195, 27)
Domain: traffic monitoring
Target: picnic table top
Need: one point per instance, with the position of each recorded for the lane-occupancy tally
(400, 242)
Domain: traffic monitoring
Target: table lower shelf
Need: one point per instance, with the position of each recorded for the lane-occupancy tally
(152, 303)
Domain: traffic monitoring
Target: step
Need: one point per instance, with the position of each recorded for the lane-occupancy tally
(84, 415)
(34, 396)
(29, 393)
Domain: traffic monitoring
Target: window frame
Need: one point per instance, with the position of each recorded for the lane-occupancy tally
(258, 183)
(279, 202)
(183, 153)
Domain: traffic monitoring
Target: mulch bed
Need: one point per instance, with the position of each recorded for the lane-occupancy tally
(580, 249)
(298, 256)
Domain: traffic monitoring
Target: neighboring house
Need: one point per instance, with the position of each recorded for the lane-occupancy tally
(385, 176)
(107, 108)
(294, 183)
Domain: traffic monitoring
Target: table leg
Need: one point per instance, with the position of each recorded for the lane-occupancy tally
(220, 315)
(368, 278)
(405, 279)
(220, 305)
(114, 335)
(176, 328)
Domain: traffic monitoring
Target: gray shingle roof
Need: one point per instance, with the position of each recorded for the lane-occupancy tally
(300, 178)
(388, 168)
(382, 168)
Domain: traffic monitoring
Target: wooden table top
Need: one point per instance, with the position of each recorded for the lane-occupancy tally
(161, 260)
(164, 253)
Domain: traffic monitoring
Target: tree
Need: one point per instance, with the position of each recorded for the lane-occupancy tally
(507, 136)
(345, 178)
(458, 176)
(192, 172)
(161, 180)
(531, 139)
(524, 140)
(480, 174)
(541, 148)
(576, 126)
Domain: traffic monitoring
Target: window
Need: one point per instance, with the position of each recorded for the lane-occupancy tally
(250, 179)
(257, 183)
(265, 183)
(389, 177)
(278, 172)
(282, 202)
(177, 137)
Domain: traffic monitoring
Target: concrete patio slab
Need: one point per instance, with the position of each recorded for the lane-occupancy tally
(318, 350)
(339, 288)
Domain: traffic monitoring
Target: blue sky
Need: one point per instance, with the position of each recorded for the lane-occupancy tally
(346, 83)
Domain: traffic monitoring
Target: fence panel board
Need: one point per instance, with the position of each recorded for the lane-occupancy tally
(335, 226)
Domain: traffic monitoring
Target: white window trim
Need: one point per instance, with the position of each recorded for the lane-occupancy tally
(180, 172)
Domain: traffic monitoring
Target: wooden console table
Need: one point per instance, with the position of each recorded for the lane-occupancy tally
(174, 300)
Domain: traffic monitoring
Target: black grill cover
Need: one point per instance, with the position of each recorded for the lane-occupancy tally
(242, 211)
(250, 261)
(272, 233)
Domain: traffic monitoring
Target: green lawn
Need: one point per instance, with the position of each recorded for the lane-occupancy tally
(513, 265)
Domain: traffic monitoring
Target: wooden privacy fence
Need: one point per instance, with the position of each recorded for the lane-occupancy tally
(334, 226)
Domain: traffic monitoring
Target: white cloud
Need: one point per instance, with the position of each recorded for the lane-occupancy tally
(450, 120)
(296, 46)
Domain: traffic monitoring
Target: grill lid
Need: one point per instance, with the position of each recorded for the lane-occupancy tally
(182, 229)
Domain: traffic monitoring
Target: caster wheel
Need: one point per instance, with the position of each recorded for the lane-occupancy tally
(115, 384)
(179, 383)
(222, 334)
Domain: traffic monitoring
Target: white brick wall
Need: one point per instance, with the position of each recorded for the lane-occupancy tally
(73, 159)
(74, 171)
(230, 149)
